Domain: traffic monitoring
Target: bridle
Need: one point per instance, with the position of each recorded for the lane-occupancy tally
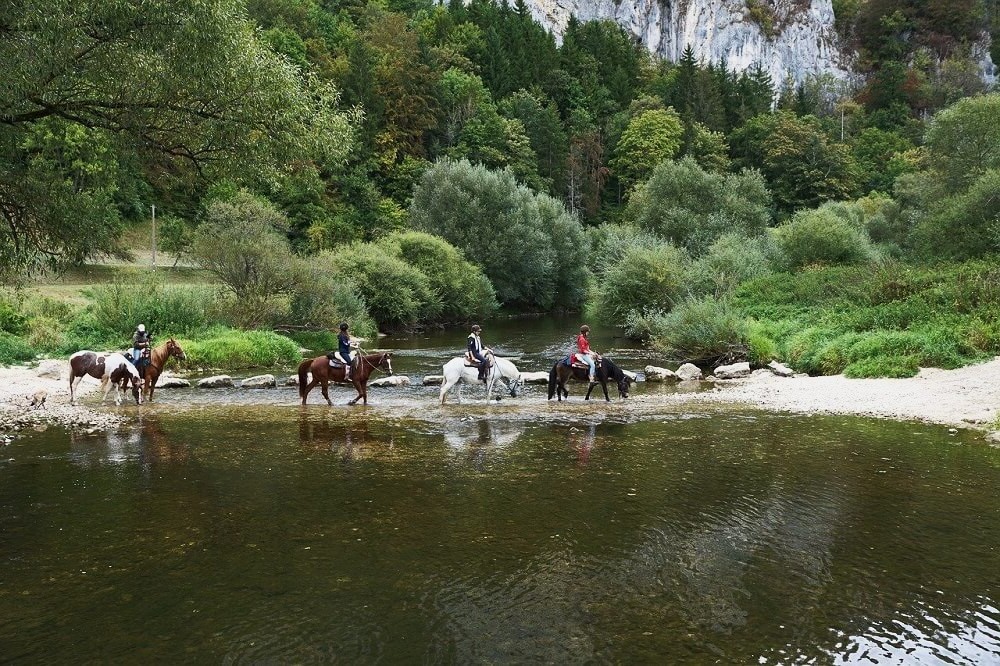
(375, 366)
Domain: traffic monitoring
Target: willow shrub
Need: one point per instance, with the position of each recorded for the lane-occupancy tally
(822, 236)
(701, 330)
(117, 307)
(229, 349)
(642, 280)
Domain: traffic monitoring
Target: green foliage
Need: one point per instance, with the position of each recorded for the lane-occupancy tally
(882, 320)
(497, 224)
(691, 207)
(730, 261)
(14, 349)
(965, 225)
(650, 138)
(321, 300)
(822, 236)
(964, 141)
(461, 288)
(641, 280)
(165, 309)
(241, 243)
(188, 86)
(227, 349)
(702, 330)
(397, 294)
(11, 319)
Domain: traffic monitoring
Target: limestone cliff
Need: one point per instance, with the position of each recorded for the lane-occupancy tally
(793, 38)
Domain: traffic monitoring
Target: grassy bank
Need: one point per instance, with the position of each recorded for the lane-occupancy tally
(879, 320)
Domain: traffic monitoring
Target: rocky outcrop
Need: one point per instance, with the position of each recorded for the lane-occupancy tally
(788, 38)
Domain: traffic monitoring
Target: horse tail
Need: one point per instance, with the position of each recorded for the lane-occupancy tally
(304, 376)
(552, 380)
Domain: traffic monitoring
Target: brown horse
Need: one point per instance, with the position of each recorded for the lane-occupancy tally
(158, 357)
(323, 374)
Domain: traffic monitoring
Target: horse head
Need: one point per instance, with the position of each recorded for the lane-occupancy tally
(174, 349)
(136, 381)
(385, 362)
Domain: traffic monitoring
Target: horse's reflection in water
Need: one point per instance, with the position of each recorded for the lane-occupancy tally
(482, 436)
(144, 442)
(352, 441)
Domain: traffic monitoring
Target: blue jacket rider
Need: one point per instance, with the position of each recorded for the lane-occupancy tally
(343, 353)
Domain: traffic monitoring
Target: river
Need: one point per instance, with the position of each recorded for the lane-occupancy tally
(236, 526)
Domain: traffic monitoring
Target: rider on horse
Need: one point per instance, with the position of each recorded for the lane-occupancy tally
(343, 353)
(584, 353)
(477, 353)
(141, 341)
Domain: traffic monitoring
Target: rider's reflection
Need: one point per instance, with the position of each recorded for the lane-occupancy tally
(582, 441)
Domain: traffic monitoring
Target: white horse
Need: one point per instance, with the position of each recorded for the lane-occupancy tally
(456, 371)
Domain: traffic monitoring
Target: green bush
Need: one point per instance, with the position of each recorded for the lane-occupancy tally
(641, 280)
(730, 261)
(117, 307)
(397, 294)
(14, 350)
(704, 330)
(229, 349)
(45, 334)
(691, 207)
(822, 236)
(322, 300)
(12, 318)
(459, 285)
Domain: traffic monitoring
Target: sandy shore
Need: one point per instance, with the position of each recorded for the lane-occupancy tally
(20, 386)
(968, 397)
(965, 397)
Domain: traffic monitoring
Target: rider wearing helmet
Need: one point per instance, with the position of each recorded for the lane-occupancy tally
(475, 349)
(343, 353)
(140, 341)
(584, 352)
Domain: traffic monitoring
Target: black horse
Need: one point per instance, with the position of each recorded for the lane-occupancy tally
(561, 373)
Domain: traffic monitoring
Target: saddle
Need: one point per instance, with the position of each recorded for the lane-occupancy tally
(572, 362)
(471, 361)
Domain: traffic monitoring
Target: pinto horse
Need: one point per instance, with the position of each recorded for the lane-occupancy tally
(158, 357)
(323, 374)
(561, 373)
(112, 369)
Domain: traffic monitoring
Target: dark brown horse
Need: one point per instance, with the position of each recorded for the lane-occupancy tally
(158, 357)
(114, 370)
(323, 374)
(606, 369)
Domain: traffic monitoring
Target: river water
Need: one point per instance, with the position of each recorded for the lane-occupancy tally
(236, 526)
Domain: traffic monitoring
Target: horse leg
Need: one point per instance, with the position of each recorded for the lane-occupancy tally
(325, 385)
(73, 381)
(604, 385)
(105, 385)
(309, 387)
(589, 389)
(445, 387)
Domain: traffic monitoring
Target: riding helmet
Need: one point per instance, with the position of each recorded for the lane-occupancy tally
(141, 328)
(475, 328)
(343, 325)
(585, 329)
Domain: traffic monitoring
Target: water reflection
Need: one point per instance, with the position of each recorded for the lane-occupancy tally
(144, 440)
(351, 440)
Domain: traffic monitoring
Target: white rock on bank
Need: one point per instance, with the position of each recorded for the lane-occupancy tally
(433, 380)
(293, 380)
(259, 382)
(780, 369)
(688, 372)
(394, 380)
(655, 373)
(170, 381)
(53, 369)
(540, 377)
(216, 381)
(733, 371)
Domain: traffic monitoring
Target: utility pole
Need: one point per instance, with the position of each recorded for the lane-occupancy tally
(154, 236)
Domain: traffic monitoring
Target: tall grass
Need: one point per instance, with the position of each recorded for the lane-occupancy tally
(886, 320)
(229, 349)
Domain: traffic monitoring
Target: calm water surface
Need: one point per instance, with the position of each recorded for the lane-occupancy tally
(248, 529)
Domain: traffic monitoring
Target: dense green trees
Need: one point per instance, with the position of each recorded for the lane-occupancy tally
(91, 91)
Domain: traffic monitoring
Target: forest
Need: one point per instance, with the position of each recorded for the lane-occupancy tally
(405, 164)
